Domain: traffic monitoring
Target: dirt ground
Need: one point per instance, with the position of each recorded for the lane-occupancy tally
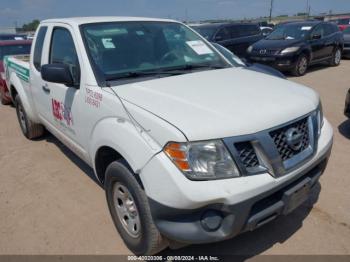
(50, 203)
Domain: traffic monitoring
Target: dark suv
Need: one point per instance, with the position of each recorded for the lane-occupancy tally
(294, 46)
(236, 37)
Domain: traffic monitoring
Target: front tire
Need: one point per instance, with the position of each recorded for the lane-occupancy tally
(129, 208)
(29, 129)
(301, 66)
(336, 57)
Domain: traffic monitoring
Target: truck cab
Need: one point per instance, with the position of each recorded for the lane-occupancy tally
(189, 148)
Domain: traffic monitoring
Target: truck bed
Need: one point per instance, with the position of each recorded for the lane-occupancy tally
(18, 64)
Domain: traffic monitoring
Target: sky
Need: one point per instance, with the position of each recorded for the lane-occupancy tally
(23, 11)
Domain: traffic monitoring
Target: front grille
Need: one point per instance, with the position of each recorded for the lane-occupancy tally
(247, 154)
(280, 139)
(265, 51)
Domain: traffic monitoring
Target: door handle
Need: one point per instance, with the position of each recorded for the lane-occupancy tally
(46, 89)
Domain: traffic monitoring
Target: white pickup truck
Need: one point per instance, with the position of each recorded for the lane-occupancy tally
(189, 147)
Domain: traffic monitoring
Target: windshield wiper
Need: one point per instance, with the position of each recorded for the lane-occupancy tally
(190, 67)
(167, 71)
(135, 74)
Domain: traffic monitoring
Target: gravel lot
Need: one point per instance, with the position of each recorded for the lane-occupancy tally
(50, 203)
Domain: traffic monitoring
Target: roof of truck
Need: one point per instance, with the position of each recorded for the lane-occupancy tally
(101, 19)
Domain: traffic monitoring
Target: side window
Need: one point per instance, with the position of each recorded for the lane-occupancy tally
(329, 29)
(235, 31)
(38, 49)
(223, 34)
(249, 30)
(318, 31)
(62, 51)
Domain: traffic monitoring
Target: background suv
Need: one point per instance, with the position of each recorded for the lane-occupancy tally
(294, 46)
(235, 37)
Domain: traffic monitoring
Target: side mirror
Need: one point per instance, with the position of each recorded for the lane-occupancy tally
(57, 73)
(316, 37)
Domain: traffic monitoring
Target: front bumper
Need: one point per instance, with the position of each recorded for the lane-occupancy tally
(282, 63)
(210, 211)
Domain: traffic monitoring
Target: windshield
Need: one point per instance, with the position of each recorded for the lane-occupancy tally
(118, 49)
(290, 32)
(206, 32)
(14, 50)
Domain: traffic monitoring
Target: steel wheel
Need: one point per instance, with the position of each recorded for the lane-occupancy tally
(22, 118)
(126, 209)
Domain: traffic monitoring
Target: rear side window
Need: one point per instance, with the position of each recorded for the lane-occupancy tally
(63, 52)
(328, 30)
(38, 49)
(248, 30)
(223, 34)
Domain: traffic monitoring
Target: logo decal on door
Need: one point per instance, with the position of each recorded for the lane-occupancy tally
(62, 113)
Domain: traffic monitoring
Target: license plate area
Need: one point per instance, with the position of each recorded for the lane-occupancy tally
(297, 195)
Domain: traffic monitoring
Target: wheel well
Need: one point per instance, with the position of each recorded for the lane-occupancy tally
(13, 92)
(307, 53)
(104, 157)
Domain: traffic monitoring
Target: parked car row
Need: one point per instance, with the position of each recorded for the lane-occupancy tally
(181, 133)
(290, 47)
(10, 47)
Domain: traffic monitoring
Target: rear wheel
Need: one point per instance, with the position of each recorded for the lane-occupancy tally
(29, 129)
(129, 208)
(301, 66)
(336, 57)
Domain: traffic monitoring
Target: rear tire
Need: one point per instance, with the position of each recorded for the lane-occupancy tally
(129, 208)
(301, 66)
(336, 57)
(29, 129)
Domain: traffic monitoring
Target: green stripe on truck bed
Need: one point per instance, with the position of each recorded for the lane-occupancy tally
(22, 72)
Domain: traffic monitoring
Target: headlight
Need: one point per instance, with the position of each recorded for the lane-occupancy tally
(202, 160)
(290, 50)
(320, 120)
(250, 49)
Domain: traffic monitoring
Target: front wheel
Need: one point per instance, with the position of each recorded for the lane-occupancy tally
(29, 129)
(336, 57)
(129, 208)
(301, 66)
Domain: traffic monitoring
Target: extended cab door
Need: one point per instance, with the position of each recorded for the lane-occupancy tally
(41, 96)
(65, 101)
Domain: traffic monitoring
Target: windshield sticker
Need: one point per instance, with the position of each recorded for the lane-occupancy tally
(306, 28)
(93, 98)
(107, 43)
(199, 47)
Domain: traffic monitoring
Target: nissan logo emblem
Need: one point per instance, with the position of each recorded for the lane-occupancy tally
(294, 138)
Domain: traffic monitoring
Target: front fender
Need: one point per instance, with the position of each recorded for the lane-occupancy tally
(134, 145)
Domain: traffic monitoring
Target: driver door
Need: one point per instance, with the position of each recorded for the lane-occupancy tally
(65, 100)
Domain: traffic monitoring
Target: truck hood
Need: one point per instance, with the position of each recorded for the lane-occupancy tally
(221, 103)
